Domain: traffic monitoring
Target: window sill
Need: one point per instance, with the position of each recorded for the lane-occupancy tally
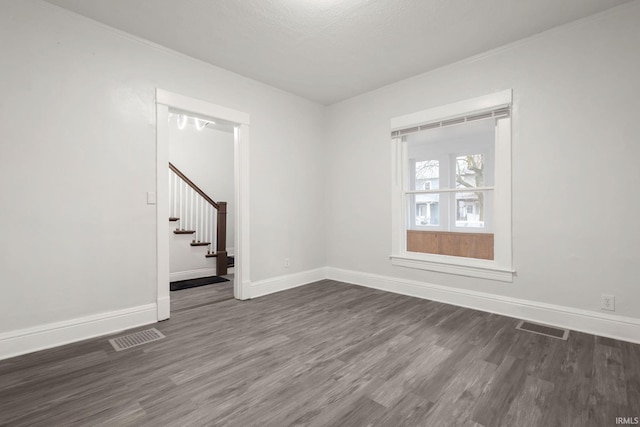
(454, 265)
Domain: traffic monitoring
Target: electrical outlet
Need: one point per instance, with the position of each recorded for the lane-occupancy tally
(287, 263)
(608, 302)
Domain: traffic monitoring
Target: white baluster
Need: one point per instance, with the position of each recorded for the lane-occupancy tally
(173, 193)
(170, 194)
(189, 210)
(184, 205)
(175, 198)
(199, 216)
(187, 196)
(203, 204)
(214, 230)
(187, 203)
(211, 228)
(195, 215)
(205, 224)
(182, 217)
(193, 209)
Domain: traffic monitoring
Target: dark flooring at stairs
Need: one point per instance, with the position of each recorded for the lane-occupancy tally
(194, 283)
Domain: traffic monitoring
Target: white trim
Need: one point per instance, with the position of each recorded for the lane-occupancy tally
(23, 341)
(162, 211)
(164, 308)
(591, 322)
(501, 267)
(455, 109)
(199, 106)
(192, 274)
(242, 262)
(282, 283)
(441, 264)
(164, 100)
(502, 209)
(449, 190)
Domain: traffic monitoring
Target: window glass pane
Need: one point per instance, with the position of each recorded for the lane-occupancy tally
(470, 171)
(470, 209)
(427, 175)
(426, 208)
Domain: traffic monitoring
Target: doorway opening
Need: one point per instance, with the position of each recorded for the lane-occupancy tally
(202, 193)
(202, 210)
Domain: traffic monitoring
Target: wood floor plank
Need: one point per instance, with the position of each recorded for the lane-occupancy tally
(456, 404)
(608, 396)
(420, 368)
(505, 386)
(363, 412)
(631, 364)
(431, 387)
(411, 410)
(572, 383)
(324, 354)
(529, 407)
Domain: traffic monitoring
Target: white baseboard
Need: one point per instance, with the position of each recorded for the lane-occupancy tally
(281, 283)
(192, 274)
(164, 308)
(37, 338)
(606, 325)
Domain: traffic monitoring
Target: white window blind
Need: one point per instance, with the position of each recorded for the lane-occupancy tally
(492, 114)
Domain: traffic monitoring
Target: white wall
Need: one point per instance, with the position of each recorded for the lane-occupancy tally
(575, 110)
(77, 117)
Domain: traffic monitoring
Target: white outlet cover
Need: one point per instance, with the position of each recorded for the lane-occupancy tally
(608, 302)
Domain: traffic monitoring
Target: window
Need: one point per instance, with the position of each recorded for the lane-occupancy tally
(452, 188)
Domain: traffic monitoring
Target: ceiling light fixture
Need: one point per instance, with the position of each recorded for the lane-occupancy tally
(182, 121)
(197, 122)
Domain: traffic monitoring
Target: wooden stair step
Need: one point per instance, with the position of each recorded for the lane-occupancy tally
(200, 243)
(230, 259)
(184, 231)
(173, 219)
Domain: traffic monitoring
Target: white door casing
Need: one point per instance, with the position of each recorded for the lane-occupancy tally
(164, 101)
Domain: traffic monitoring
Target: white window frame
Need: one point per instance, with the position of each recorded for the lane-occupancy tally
(501, 267)
(447, 210)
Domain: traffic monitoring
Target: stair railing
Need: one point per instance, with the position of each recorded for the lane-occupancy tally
(197, 212)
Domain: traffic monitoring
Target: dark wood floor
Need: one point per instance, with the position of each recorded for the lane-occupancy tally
(326, 354)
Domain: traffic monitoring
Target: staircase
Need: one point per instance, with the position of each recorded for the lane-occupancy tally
(195, 213)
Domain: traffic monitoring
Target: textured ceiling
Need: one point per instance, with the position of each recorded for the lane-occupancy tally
(330, 50)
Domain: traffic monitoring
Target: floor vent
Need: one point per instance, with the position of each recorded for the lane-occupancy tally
(548, 331)
(137, 338)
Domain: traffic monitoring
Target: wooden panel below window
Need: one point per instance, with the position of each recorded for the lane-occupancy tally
(468, 245)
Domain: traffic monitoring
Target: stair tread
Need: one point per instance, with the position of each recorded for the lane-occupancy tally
(200, 243)
(173, 218)
(230, 258)
(184, 231)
